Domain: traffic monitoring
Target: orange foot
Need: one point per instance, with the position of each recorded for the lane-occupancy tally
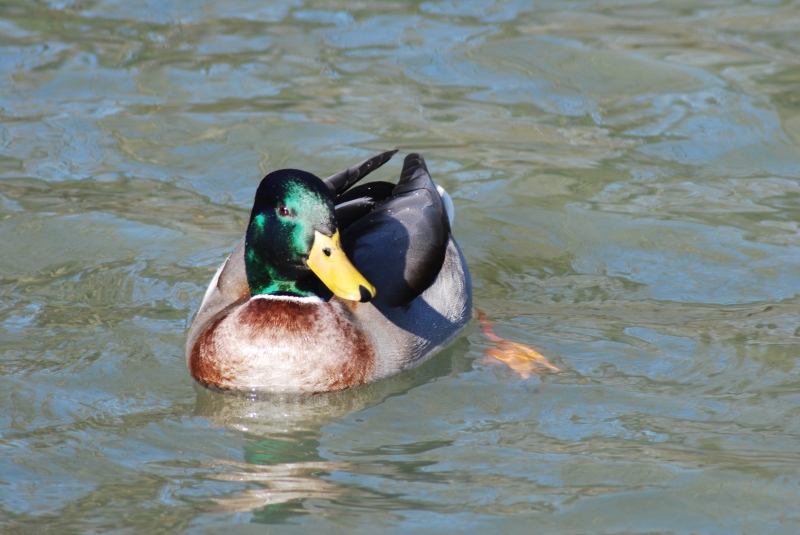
(519, 357)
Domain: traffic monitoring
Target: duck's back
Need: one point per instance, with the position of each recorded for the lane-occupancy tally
(404, 247)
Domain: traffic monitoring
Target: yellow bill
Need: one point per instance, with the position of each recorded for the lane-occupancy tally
(328, 262)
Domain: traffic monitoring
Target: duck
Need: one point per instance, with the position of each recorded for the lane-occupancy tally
(333, 285)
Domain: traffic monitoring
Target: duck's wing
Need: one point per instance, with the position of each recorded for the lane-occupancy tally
(228, 288)
(359, 201)
(400, 245)
(341, 181)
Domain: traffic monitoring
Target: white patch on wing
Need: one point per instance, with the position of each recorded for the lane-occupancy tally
(449, 207)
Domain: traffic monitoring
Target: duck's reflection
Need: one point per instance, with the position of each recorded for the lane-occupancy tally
(282, 483)
(281, 443)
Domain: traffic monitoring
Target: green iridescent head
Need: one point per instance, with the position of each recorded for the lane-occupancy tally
(290, 205)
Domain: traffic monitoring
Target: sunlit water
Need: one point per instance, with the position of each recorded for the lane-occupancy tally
(625, 177)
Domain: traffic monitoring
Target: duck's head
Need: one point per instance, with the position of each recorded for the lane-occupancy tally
(293, 243)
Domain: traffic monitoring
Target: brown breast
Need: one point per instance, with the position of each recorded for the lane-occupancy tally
(283, 344)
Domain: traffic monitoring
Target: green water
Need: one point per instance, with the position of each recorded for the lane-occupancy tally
(625, 176)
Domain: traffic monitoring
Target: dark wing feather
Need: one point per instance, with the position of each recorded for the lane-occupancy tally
(400, 245)
(338, 183)
(359, 201)
(351, 211)
(377, 191)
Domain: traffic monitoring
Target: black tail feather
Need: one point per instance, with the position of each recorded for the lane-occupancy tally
(411, 165)
(341, 181)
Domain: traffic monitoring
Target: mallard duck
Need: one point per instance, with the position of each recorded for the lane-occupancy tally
(333, 286)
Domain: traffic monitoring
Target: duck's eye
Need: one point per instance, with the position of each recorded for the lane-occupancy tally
(283, 210)
(327, 251)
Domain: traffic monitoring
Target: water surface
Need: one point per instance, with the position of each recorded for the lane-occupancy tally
(625, 176)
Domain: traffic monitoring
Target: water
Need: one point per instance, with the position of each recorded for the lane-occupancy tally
(625, 176)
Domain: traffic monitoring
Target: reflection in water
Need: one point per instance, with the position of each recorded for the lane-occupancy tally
(281, 446)
(282, 482)
(278, 415)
